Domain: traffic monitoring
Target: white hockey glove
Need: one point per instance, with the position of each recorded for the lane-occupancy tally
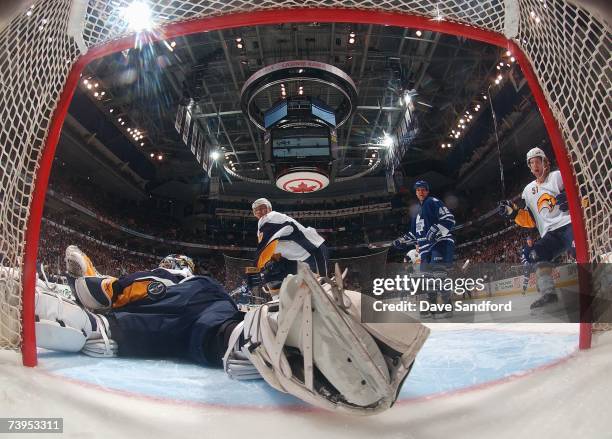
(433, 234)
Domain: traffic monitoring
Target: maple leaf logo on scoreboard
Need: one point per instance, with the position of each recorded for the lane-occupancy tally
(302, 181)
(303, 187)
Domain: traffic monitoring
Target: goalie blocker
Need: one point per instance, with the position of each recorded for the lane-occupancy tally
(311, 343)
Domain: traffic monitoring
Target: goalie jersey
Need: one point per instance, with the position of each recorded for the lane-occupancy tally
(433, 211)
(541, 200)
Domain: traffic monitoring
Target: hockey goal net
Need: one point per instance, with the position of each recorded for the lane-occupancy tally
(563, 49)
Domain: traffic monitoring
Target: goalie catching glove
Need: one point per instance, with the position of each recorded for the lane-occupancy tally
(311, 343)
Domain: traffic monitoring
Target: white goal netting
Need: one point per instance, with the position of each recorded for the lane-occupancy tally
(567, 46)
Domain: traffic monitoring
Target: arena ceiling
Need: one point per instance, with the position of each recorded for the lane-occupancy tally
(144, 86)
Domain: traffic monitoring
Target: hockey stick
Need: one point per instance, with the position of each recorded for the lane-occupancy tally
(501, 166)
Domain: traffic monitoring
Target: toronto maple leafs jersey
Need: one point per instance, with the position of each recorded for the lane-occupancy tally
(432, 211)
(541, 200)
(526, 256)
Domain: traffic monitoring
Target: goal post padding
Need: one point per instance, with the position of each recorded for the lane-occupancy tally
(563, 50)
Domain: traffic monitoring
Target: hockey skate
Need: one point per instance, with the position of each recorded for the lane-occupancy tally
(78, 263)
(425, 315)
(545, 303)
(443, 315)
(91, 289)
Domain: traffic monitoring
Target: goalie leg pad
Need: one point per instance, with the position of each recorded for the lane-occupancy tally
(317, 349)
(236, 363)
(62, 325)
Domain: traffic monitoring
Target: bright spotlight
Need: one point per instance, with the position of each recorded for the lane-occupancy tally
(387, 140)
(215, 155)
(407, 97)
(138, 16)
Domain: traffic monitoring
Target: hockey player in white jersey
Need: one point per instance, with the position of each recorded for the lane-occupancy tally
(544, 205)
(279, 234)
(310, 342)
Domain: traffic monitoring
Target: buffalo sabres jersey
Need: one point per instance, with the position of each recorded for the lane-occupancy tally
(541, 199)
(279, 233)
(433, 211)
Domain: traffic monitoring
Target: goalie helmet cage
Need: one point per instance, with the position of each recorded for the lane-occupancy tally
(562, 48)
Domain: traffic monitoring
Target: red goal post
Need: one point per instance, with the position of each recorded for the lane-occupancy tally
(562, 49)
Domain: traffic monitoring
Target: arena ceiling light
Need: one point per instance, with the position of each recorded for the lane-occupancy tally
(387, 140)
(138, 16)
(215, 155)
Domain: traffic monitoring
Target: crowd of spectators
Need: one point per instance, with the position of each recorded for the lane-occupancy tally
(230, 231)
(209, 206)
(507, 125)
(53, 242)
(109, 259)
(116, 209)
(503, 248)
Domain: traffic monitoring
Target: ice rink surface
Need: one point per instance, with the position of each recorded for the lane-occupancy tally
(478, 380)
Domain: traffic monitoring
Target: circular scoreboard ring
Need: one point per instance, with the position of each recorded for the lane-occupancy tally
(298, 71)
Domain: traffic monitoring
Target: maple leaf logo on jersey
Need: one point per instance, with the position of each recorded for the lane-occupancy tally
(546, 201)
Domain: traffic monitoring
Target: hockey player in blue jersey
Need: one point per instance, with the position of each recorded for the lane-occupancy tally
(528, 262)
(430, 231)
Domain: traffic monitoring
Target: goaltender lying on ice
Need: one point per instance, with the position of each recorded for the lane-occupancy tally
(309, 342)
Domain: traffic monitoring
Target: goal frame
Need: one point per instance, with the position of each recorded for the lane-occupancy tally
(268, 17)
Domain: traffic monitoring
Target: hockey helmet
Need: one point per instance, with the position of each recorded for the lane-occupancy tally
(261, 202)
(421, 184)
(177, 262)
(535, 152)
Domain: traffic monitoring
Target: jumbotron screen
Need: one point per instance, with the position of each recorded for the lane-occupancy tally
(275, 114)
(300, 143)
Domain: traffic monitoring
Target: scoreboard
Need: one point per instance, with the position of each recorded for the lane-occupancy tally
(301, 143)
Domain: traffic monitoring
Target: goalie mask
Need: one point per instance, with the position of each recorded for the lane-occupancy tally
(311, 343)
(177, 262)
